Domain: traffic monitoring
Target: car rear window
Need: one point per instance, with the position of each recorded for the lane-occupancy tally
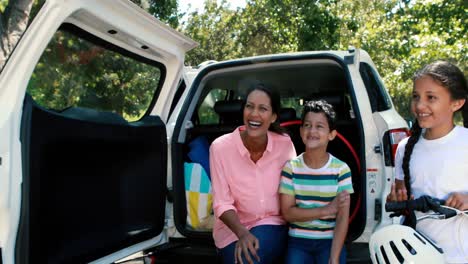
(78, 69)
(378, 97)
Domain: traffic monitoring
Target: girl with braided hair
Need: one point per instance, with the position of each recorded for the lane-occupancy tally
(434, 160)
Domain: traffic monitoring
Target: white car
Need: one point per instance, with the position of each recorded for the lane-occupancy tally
(97, 113)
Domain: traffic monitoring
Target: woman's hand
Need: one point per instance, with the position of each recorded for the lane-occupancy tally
(247, 245)
(458, 201)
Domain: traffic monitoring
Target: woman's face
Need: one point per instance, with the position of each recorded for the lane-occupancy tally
(258, 114)
(433, 107)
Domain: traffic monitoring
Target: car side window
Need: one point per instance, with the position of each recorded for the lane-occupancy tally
(295, 103)
(378, 97)
(206, 113)
(80, 70)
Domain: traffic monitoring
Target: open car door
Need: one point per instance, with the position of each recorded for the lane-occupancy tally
(83, 151)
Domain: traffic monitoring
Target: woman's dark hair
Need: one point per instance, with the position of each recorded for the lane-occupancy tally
(320, 106)
(450, 77)
(275, 101)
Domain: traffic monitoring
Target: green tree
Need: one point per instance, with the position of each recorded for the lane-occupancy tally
(216, 30)
(269, 27)
(262, 27)
(14, 18)
(402, 36)
(164, 10)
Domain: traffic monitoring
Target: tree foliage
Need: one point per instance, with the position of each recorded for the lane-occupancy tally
(14, 18)
(262, 27)
(400, 36)
(76, 72)
(216, 30)
(164, 10)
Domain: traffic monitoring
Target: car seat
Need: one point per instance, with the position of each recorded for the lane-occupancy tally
(229, 112)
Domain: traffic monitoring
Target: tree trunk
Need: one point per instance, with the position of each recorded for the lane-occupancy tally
(13, 23)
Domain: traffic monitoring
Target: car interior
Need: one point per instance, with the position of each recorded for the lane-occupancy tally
(218, 111)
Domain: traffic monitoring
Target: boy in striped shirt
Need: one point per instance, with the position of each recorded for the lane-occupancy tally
(314, 192)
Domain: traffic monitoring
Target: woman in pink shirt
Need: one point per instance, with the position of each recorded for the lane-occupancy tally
(245, 170)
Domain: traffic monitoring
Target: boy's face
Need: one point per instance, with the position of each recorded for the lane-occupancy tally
(315, 131)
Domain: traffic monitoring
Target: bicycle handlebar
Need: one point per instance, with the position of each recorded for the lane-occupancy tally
(423, 204)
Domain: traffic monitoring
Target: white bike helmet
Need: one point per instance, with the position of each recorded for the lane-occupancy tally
(402, 244)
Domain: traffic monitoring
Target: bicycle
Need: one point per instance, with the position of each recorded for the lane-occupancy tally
(403, 244)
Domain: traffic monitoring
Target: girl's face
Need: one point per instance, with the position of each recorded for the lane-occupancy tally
(315, 131)
(433, 107)
(258, 114)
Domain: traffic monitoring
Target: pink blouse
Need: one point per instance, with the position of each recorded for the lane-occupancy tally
(250, 189)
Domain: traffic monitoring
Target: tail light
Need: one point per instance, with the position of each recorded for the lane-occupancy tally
(391, 139)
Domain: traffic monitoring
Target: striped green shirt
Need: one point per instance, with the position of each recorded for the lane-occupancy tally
(314, 188)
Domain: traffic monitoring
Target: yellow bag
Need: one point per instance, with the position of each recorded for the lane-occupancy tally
(198, 195)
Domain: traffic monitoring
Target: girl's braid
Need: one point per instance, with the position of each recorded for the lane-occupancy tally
(415, 134)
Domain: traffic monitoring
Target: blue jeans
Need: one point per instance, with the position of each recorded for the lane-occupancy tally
(311, 251)
(272, 240)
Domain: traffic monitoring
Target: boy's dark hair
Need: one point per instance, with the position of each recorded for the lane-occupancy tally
(275, 103)
(453, 79)
(320, 106)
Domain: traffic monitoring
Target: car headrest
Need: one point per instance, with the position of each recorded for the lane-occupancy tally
(287, 114)
(230, 112)
(338, 101)
(333, 99)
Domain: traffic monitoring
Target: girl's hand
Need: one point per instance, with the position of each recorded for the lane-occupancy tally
(458, 201)
(398, 192)
(247, 245)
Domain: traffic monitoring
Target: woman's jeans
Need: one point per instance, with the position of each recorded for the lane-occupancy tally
(311, 251)
(272, 240)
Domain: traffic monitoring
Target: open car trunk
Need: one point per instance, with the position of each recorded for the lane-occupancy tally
(84, 151)
(84, 170)
(215, 108)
